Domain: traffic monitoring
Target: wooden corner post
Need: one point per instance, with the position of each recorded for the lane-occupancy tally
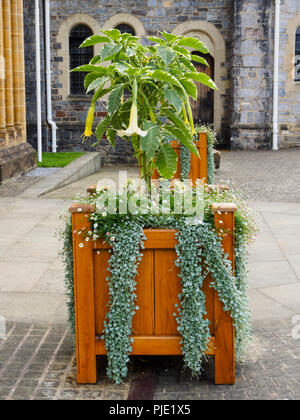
(224, 330)
(84, 295)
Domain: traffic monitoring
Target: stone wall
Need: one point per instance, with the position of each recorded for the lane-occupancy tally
(246, 28)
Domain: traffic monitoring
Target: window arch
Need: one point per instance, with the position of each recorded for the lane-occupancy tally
(79, 56)
(124, 28)
(297, 55)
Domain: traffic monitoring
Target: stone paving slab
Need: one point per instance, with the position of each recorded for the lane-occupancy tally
(37, 361)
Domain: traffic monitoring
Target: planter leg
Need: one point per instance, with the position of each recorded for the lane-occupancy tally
(84, 299)
(224, 331)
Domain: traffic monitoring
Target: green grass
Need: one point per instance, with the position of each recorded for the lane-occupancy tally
(58, 160)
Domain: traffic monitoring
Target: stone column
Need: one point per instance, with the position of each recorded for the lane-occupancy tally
(251, 74)
(2, 81)
(22, 68)
(9, 93)
(15, 32)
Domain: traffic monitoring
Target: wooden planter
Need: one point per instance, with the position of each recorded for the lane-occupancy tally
(158, 285)
(198, 166)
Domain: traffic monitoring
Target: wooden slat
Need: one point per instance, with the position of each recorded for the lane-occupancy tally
(224, 331)
(84, 304)
(143, 320)
(155, 239)
(154, 346)
(167, 288)
(101, 259)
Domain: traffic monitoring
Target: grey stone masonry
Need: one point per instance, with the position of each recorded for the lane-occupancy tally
(247, 28)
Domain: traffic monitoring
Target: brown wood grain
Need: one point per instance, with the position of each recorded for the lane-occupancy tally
(84, 303)
(224, 331)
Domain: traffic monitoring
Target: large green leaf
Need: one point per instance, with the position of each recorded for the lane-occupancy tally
(166, 54)
(109, 51)
(174, 99)
(190, 87)
(89, 78)
(178, 121)
(170, 38)
(96, 83)
(202, 78)
(182, 138)
(199, 59)
(166, 161)
(113, 34)
(99, 93)
(115, 99)
(194, 43)
(150, 143)
(102, 127)
(163, 76)
(94, 39)
(111, 135)
(90, 67)
(157, 40)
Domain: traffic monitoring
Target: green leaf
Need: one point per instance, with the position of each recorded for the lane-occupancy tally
(114, 100)
(194, 43)
(99, 93)
(113, 34)
(176, 119)
(150, 143)
(166, 161)
(181, 50)
(190, 87)
(166, 54)
(202, 78)
(111, 135)
(163, 76)
(90, 67)
(187, 63)
(199, 59)
(96, 83)
(174, 99)
(89, 78)
(95, 59)
(109, 51)
(157, 40)
(102, 127)
(182, 138)
(169, 37)
(93, 40)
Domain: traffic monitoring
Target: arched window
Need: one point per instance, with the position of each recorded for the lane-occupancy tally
(123, 28)
(79, 57)
(297, 56)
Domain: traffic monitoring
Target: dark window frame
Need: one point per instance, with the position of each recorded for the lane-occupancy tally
(79, 56)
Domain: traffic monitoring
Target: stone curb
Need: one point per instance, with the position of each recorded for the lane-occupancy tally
(80, 168)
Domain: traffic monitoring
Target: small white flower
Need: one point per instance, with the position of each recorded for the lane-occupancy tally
(81, 245)
(79, 209)
(104, 214)
(87, 239)
(112, 238)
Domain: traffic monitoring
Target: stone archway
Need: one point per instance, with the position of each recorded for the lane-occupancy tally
(214, 40)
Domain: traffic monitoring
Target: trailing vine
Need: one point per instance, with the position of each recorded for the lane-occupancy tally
(199, 246)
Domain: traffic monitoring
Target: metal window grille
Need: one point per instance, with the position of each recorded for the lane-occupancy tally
(123, 28)
(297, 56)
(79, 57)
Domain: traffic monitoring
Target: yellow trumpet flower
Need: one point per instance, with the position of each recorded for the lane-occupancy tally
(89, 121)
(133, 128)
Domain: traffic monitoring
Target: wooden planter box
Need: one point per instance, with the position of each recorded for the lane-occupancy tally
(198, 166)
(158, 285)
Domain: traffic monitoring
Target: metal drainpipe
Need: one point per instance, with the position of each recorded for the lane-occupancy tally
(48, 75)
(38, 80)
(276, 75)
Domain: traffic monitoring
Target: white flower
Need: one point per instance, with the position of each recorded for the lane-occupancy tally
(104, 214)
(112, 238)
(133, 125)
(81, 245)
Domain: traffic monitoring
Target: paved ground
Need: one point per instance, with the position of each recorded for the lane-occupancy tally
(37, 356)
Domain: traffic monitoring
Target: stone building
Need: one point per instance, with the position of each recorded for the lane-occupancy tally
(16, 155)
(239, 34)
